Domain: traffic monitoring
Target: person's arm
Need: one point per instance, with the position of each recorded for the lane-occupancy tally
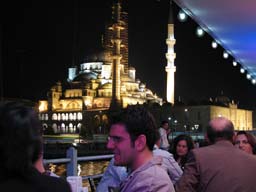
(173, 169)
(111, 177)
(190, 178)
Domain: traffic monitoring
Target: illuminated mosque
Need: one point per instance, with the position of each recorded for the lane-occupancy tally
(105, 81)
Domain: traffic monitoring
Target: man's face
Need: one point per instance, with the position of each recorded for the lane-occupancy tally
(165, 125)
(119, 142)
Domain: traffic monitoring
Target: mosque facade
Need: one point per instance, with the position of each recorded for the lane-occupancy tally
(104, 81)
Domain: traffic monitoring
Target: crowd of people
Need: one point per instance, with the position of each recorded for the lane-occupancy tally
(225, 164)
(144, 160)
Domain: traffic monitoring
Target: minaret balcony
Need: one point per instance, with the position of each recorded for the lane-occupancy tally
(170, 56)
(117, 56)
(170, 69)
(170, 42)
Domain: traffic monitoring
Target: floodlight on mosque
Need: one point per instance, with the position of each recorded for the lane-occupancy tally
(234, 63)
(248, 76)
(242, 70)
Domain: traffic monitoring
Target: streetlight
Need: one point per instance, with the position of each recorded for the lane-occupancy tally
(170, 124)
(175, 123)
(196, 129)
(185, 119)
(185, 128)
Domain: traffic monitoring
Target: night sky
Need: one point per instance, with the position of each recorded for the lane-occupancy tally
(37, 49)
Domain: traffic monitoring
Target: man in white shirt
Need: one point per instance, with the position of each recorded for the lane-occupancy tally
(164, 132)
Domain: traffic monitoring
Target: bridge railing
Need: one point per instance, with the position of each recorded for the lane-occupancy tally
(71, 161)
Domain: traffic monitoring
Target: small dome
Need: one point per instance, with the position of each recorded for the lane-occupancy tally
(131, 68)
(106, 86)
(142, 85)
(224, 100)
(99, 76)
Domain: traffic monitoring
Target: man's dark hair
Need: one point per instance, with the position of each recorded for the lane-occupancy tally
(20, 140)
(137, 121)
(164, 122)
(226, 133)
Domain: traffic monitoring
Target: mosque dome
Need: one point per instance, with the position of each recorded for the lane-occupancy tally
(142, 86)
(99, 76)
(106, 86)
(137, 81)
(131, 68)
(97, 56)
(87, 76)
(223, 100)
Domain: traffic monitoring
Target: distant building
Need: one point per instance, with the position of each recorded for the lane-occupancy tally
(195, 118)
(105, 80)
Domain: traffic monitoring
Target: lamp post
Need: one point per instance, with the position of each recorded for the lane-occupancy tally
(175, 123)
(186, 119)
(196, 129)
(185, 128)
(170, 124)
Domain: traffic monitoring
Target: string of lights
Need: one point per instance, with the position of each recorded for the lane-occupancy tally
(183, 16)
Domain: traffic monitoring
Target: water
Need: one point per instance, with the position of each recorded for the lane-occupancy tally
(84, 169)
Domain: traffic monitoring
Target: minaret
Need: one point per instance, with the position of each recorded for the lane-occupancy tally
(170, 56)
(116, 40)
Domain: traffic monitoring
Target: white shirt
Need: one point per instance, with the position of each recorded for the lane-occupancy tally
(164, 143)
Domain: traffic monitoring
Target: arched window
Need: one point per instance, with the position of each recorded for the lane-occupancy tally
(54, 116)
(63, 116)
(79, 116)
(63, 128)
(45, 126)
(54, 127)
(70, 128)
(74, 116)
(70, 116)
(58, 116)
(105, 119)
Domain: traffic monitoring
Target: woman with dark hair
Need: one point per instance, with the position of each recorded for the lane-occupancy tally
(182, 144)
(246, 142)
(20, 147)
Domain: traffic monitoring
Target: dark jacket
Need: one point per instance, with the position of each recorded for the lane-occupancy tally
(219, 167)
(36, 182)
